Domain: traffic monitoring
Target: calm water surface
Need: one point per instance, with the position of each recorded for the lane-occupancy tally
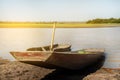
(13, 39)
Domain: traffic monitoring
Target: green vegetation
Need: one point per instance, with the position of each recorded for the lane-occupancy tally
(81, 51)
(84, 52)
(110, 20)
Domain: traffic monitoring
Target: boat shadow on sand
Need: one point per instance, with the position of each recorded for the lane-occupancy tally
(63, 74)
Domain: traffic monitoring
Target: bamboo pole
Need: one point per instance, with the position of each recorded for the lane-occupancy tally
(53, 36)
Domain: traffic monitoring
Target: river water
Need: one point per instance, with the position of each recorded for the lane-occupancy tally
(13, 39)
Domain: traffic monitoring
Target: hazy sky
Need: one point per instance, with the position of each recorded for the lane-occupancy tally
(58, 10)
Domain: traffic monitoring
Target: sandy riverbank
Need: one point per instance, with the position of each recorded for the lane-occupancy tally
(104, 74)
(20, 71)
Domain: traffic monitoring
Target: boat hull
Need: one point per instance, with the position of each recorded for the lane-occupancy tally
(67, 60)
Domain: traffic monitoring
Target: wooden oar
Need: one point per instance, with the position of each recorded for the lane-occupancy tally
(53, 35)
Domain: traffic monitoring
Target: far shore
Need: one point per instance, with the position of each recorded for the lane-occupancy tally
(58, 25)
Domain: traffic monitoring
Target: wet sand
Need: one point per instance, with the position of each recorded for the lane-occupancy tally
(21, 71)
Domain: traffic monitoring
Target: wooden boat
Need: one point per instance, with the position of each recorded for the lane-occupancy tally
(51, 59)
(56, 47)
(58, 56)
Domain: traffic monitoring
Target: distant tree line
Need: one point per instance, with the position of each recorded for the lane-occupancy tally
(110, 20)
